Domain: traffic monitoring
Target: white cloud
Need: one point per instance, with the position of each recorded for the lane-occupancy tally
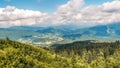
(72, 12)
(72, 5)
(102, 14)
(11, 16)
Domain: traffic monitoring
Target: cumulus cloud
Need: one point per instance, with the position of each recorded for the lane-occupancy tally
(73, 12)
(71, 5)
(11, 16)
(65, 13)
(106, 13)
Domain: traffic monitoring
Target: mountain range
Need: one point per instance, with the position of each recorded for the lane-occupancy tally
(61, 34)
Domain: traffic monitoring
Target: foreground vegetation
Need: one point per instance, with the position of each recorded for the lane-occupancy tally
(74, 55)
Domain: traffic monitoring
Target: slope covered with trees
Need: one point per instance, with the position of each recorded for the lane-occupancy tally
(17, 55)
(74, 55)
(92, 53)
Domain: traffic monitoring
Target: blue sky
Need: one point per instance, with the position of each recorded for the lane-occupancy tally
(48, 6)
(96, 2)
(41, 5)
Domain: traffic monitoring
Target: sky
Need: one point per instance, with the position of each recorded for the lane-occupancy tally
(58, 12)
(48, 6)
(41, 5)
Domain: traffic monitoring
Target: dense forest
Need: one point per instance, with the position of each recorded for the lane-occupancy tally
(82, 54)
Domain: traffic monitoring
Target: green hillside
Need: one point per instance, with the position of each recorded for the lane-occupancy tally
(17, 55)
(93, 54)
(74, 55)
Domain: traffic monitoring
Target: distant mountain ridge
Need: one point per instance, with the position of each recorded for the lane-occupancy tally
(61, 34)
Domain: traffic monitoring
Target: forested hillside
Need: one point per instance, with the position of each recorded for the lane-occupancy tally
(92, 53)
(74, 55)
(17, 55)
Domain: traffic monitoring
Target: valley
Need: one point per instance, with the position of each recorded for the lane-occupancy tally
(46, 36)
